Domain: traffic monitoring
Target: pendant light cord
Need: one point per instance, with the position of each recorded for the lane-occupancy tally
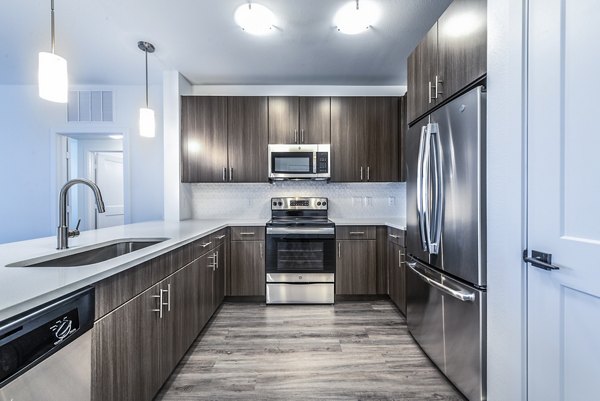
(52, 24)
(146, 52)
(357, 4)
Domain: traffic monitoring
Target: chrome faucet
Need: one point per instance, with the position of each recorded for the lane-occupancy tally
(63, 229)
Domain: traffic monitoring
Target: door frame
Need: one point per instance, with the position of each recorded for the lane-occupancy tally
(57, 155)
(92, 171)
(507, 199)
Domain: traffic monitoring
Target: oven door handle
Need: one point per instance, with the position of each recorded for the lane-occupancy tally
(301, 230)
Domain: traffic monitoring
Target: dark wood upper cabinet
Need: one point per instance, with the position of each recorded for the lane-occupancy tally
(248, 139)
(462, 43)
(449, 58)
(403, 131)
(283, 119)
(203, 138)
(315, 120)
(365, 139)
(348, 156)
(422, 72)
(299, 120)
(382, 138)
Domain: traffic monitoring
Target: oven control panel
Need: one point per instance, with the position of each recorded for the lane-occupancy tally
(299, 204)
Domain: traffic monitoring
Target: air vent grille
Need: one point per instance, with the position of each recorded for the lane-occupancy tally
(90, 106)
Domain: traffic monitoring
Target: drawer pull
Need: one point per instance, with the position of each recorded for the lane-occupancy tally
(394, 236)
(357, 233)
(246, 233)
(205, 245)
(221, 236)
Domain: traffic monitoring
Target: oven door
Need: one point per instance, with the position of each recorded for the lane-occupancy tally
(300, 250)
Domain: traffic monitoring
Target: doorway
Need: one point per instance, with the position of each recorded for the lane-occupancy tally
(99, 158)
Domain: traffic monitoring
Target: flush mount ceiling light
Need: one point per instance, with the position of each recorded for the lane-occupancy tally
(147, 123)
(52, 71)
(255, 18)
(355, 18)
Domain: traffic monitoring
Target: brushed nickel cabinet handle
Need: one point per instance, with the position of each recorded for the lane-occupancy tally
(302, 136)
(224, 173)
(206, 244)
(361, 173)
(339, 250)
(394, 236)
(430, 98)
(221, 236)
(247, 233)
(368, 173)
(168, 303)
(230, 173)
(295, 136)
(261, 250)
(399, 258)
(160, 304)
(357, 233)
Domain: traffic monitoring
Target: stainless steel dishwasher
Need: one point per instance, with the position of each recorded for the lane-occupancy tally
(45, 353)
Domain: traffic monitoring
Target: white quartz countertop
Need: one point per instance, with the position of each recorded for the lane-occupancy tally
(398, 223)
(23, 288)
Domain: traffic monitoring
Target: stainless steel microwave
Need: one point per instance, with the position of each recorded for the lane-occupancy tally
(294, 162)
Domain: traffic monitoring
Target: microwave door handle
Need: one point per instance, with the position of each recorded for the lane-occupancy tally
(436, 233)
(420, 209)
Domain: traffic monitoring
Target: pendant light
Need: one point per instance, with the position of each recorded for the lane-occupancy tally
(355, 18)
(147, 123)
(52, 71)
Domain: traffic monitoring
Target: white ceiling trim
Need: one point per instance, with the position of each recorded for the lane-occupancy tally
(296, 90)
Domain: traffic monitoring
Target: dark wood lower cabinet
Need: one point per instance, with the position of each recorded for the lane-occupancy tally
(125, 351)
(136, 346)
(397, 275)
(356, 267)
(247, 268)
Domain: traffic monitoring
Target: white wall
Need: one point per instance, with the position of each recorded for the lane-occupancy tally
(28, 126)
(507, 371)
(248, 201)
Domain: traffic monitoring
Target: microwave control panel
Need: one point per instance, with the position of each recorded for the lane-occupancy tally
(322, 162)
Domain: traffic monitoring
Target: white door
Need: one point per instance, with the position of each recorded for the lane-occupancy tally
(109, 178)
(564, 199)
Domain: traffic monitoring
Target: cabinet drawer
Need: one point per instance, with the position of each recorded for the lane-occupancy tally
(202, 245)
(396, 236)
(355, 232)
(248, 233)
(219, 237)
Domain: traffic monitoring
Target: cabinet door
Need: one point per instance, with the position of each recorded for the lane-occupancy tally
(125, 351)
(315, 120)
(203, 138)
(247, 268)
(283, 120)
(348, 155)
(382, 260)
(205, 288)
(422, 70)
(403, 130)
(219, 276)
(356, 271)
(248, 139)
(462, 45)
(382, 137)
(397, 268)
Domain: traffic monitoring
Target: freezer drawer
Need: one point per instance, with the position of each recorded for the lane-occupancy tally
(447, 319)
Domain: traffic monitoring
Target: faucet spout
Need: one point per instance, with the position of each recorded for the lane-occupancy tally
(63, 228)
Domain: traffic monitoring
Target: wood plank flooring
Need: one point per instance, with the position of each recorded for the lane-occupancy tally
(349, 351)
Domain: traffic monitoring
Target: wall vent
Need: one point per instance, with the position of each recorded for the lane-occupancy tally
(90, 106)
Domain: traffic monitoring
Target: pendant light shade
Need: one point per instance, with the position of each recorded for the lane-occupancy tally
(52, 71)
(53, 78)
(147, 121)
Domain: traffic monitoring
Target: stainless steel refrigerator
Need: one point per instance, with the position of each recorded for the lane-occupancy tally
(446, 273)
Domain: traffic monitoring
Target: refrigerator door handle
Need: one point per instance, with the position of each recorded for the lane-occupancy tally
(434, 235)
(426, 194)
(463, 296)
(420, 182)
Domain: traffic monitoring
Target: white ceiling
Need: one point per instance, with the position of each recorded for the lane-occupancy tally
(200, 39)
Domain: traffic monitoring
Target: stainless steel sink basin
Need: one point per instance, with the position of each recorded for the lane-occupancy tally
(89, 255)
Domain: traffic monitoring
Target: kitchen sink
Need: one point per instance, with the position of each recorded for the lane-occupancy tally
(91, 254)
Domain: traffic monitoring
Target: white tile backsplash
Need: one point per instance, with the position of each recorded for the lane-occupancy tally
(356, 200)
